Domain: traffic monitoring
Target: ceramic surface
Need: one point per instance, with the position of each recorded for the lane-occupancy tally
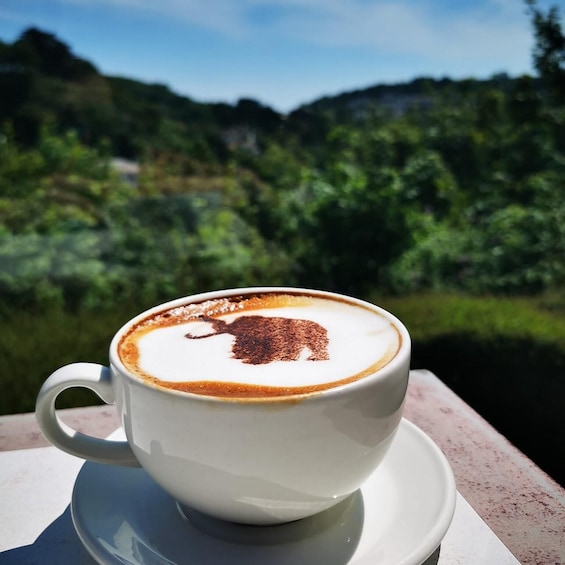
(398, 517)
(259, 461)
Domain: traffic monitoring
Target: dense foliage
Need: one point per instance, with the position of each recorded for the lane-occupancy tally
(432, 185)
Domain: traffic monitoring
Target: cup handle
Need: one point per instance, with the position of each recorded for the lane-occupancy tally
(87, 375)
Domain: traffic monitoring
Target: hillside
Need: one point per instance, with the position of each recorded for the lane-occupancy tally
(418, 95)
(423, 177)
(41, 79)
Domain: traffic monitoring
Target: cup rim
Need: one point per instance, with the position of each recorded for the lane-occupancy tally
(401, 356)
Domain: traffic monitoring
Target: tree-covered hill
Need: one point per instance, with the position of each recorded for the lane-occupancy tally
(41, 79)
(436, 184)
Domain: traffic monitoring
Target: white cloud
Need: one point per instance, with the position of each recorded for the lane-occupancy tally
(392, 38)
(425, 30)
(343, 22)
(439, 31)
(223, 16)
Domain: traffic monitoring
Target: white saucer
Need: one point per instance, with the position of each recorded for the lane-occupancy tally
(399, 517)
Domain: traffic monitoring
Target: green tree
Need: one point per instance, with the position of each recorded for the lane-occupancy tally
(345, 228)
(549, 50)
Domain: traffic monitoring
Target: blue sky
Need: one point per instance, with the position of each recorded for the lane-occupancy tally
(284, 52)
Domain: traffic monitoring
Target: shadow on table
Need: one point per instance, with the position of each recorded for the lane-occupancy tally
(58, 543)
(433, 558)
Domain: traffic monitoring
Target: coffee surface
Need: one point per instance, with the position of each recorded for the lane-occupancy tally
(267, 345)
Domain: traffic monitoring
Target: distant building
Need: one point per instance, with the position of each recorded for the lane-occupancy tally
(241, 137)
(127, 170)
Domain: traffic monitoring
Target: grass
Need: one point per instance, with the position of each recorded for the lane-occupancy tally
(431, 315)
(32, 346)
(504, 356)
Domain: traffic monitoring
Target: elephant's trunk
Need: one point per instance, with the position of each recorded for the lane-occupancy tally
(218, 325)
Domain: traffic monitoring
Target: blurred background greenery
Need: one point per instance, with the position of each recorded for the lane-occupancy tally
(441, 200)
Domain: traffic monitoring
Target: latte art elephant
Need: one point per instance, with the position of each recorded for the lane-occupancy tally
(262, 339)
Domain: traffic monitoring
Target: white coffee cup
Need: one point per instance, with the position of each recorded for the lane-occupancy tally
(254, 459)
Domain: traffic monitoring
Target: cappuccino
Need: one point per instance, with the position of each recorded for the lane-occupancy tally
(262, 345)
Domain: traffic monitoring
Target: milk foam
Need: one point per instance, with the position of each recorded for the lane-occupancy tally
(358, 338)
